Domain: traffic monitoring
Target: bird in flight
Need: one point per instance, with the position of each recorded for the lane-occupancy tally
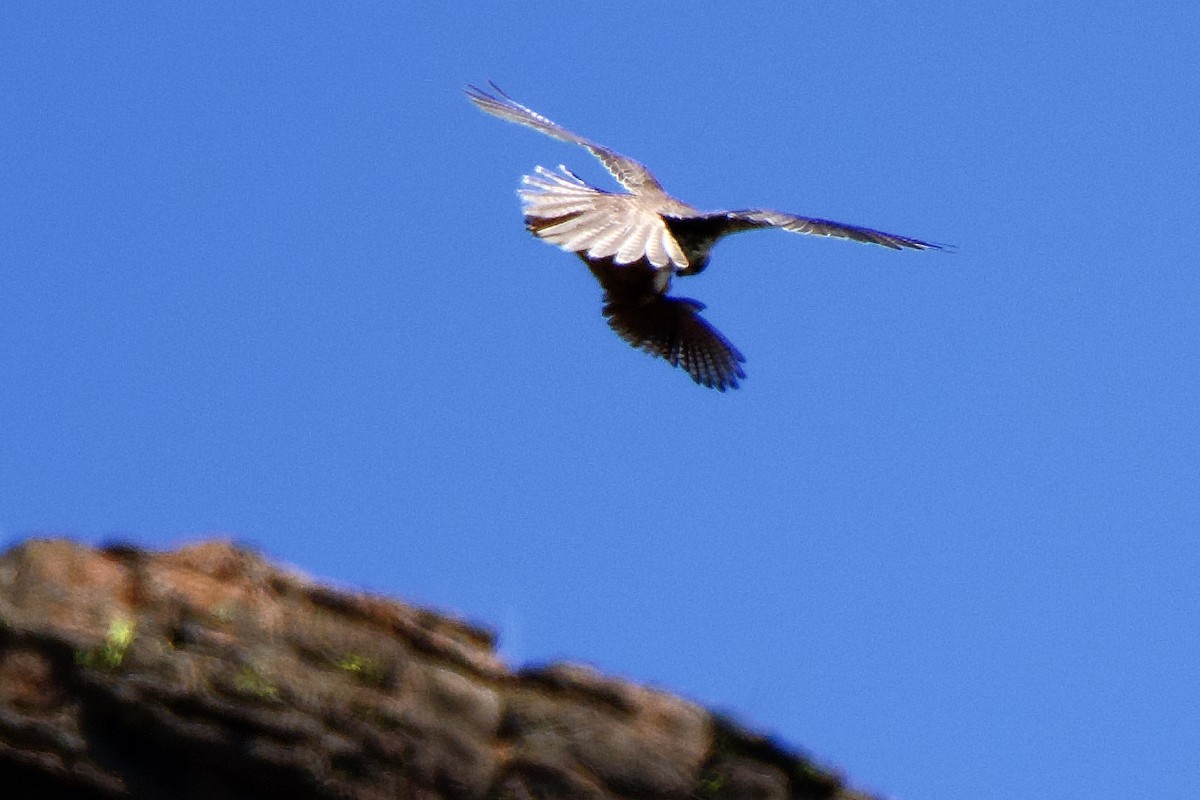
(635, 241)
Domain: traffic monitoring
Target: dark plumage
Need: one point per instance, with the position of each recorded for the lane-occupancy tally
(635, 241)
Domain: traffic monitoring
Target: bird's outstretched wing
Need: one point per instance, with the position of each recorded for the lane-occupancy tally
(668, 327)
(563, 210)
(726, 222)
(671, 328)
(632, 175)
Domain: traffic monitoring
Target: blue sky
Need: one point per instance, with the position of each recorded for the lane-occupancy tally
(264, 276)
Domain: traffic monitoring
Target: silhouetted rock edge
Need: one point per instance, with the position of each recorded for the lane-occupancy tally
(209, 672)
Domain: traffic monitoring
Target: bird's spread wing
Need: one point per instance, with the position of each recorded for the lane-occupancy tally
(727, 222)
(562, 209)
(668, 327)
(632, 175)
(671, 328)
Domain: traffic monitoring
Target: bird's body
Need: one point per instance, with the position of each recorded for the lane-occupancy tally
(635, 241)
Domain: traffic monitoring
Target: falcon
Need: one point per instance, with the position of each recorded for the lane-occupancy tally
(635, 241)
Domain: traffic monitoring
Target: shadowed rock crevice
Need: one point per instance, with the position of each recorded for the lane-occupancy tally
(208, 672)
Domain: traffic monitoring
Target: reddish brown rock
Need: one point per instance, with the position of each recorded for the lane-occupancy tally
(209, 673)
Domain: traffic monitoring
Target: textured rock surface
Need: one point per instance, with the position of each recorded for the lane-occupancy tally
(210, 673)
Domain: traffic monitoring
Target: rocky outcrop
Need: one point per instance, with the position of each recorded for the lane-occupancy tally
(209, 673)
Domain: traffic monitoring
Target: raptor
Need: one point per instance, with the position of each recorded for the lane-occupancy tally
(635, 241)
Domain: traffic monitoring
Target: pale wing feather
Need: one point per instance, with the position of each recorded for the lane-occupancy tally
(581, 240)
(656, 254)
(560, 232)
(602, 224)
(631, 174)
(634, 246)
(608, 244)
(674, 251)
(594, 235)
(766, 218)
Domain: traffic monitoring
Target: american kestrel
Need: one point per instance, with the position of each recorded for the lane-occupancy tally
(635, 241)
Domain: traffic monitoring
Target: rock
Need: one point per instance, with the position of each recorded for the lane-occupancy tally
(208, 672)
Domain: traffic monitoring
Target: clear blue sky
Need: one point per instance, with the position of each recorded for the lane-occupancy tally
(262, 274)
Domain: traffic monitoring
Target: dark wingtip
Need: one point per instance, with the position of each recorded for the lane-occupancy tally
(501, 92)
(475, 93)
(921, 244)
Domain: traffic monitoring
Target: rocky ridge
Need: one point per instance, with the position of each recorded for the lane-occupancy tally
(208, 672)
